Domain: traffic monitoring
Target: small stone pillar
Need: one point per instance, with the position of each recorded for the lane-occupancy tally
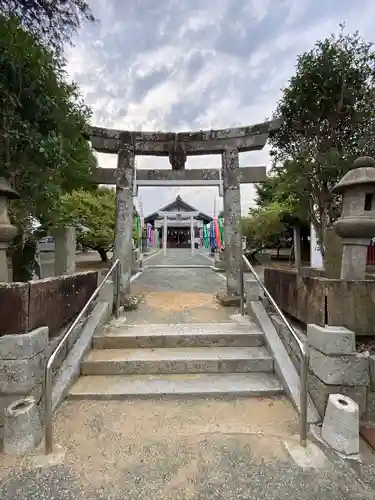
(297, 247)
(124, 210)
(165, 234)
(192, 234)
(232, 220)
(22, 427)
(356, 226)
(65, 250)
(7, 230)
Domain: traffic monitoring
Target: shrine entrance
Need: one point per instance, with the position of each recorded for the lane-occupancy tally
(179, 237)
(229, 143)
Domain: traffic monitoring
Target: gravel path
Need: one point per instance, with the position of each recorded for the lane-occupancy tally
(179, 295)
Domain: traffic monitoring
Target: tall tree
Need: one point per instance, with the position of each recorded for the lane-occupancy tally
(43, 122)
(92, 211)
(52, 21)
(329, 117)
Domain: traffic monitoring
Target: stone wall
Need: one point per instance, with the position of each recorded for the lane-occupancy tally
(52, 302)
(336, 367)
(23, 357)
(331, 372)
(22, 363)
(319, 300)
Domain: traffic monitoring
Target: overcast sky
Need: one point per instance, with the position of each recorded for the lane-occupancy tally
(181, 65)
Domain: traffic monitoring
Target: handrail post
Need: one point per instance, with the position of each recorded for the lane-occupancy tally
(48, 410)
(118, 289)
(242, 289)
(304, 350)
(48, 403)
(303, 397)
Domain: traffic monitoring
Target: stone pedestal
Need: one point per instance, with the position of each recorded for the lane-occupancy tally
(65, 250)
(341, 424)
(232, 220)
(354, 256)
(123, 249)
(22, 427)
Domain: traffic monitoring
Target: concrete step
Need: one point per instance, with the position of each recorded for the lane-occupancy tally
(177, 360)
(180, 335)
(101, 387)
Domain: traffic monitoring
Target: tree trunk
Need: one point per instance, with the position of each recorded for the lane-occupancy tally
(103, 254)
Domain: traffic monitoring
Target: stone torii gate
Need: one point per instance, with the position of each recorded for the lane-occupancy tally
(171, 218)
(177, 146)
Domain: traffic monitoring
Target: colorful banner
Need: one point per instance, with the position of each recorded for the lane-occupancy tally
(212, 236)
(221, 229)
(217, 233)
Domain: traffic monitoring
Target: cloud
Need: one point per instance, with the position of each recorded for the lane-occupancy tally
(187, 65)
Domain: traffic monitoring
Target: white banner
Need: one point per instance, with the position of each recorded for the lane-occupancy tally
(316, 257)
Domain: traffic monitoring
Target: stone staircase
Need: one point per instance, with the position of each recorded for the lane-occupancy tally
(207, 359)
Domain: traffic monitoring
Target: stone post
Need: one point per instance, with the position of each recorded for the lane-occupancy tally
(7, 231)
(124, 213)
(65, 250)
(192, 234)
(232, 220)
(165, 231)
(297, 247)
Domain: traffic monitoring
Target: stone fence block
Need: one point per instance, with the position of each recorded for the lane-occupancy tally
(14, 308)
(24, 346)
(21, 375)
(55, 302)
(331, 339)
(107, 293)
(340, 370)
(252, 290)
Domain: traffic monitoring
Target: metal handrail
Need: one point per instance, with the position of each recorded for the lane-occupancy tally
(304, 351)
(48, 410)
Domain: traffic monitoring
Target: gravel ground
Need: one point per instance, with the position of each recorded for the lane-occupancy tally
(179, 295)
(161, 450)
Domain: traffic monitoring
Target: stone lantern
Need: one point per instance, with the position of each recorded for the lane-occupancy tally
(356, 226)
(7, 231)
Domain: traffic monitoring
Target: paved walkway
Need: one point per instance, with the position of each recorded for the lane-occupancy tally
(179, 295)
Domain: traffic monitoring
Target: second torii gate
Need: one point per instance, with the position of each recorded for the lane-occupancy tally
(177, 146)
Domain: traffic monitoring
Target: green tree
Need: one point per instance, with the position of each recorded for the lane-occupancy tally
(52, 21)
(328, 120)
(277, 190)
(263, 226)
(43, 122)
(93, 214)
